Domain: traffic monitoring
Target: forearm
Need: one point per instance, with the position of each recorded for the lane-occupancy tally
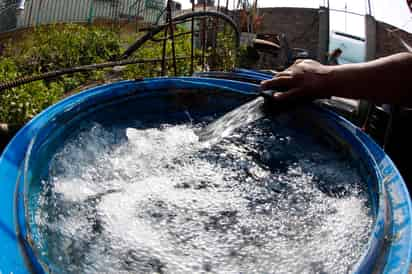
(385, 80)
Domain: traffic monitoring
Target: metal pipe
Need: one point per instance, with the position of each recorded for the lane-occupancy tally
(170, 37)
(204, 39)
(346, 16)
(164, 52)
(30, 13)
(217, 9)
(215, 34)
(91, 13)
(369, 7)
(177, 20)
(21, 4)
(193, 40)
(347, 11)
(226, 11)
(170, 20)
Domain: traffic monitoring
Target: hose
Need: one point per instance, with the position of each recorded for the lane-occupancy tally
(121, 60)
(56, 73)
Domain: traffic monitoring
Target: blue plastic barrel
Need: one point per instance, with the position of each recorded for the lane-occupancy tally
(390, 244)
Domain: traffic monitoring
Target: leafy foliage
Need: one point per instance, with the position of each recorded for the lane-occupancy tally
(153, 50)
(50, 48)
(20, 104)
(248, 56)
(54, 47)
(222, 56)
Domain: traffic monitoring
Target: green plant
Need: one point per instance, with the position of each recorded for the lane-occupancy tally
(18, 105)
(221, 57)
(55, 47)
(248, 57)
(51, 48)
(153, 50)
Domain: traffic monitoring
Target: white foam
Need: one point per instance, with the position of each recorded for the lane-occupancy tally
(159, 202)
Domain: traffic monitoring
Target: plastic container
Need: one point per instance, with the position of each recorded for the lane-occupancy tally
(390, 243)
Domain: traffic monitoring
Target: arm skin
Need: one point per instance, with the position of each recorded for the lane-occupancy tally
(385, 80)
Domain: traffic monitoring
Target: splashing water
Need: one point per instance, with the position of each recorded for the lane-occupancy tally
(225, 125)
(265, 199)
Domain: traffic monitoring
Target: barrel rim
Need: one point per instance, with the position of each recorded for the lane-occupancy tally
(14, 253)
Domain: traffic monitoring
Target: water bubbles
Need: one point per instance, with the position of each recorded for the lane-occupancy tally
(158, 200)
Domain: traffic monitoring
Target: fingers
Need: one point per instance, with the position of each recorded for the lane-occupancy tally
(293, 94)
(285, 73)
(298, 61)
(278, 82)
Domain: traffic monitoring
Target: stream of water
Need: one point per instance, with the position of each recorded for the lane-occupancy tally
(258, 198)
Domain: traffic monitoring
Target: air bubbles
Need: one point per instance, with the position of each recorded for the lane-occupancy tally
(157, 200)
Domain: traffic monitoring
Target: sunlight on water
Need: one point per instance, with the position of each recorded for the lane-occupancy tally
(157, 200)
(225, 125)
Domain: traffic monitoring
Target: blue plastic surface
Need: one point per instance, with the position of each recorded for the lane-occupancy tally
(389, 247)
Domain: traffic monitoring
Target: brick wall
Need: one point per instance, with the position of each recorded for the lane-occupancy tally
(388, 39)
(300, 25)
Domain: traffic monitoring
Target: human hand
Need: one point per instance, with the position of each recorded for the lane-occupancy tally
(305, 79)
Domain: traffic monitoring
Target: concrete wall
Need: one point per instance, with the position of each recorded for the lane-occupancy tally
(388, 40)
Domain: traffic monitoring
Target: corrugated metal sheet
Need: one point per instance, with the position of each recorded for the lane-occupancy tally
(39, 12)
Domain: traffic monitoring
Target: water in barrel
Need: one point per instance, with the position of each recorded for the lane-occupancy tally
(263, 197)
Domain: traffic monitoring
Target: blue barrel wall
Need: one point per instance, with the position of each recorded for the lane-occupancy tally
(390, 244)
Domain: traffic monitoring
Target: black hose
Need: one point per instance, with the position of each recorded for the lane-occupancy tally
(138, 43)
(120, 61)
(56, 73)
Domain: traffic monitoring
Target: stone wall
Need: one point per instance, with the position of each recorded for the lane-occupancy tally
(388, 40)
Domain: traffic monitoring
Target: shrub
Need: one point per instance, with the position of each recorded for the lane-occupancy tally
(54, 47)
(153, 50)
(51, 48)
(18, 105)
(221, 57)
